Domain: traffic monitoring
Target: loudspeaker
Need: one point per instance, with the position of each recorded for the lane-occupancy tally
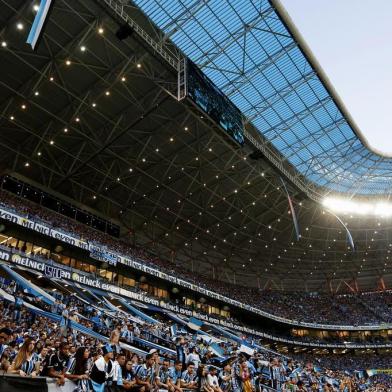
(124, 32)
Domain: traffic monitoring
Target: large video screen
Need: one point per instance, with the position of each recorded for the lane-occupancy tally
(213, 102)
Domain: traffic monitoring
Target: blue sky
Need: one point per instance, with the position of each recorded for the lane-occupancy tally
(352, 40)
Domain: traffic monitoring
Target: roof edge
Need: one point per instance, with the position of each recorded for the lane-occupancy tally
(288, 21)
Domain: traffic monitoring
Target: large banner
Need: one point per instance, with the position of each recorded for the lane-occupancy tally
(104, 254)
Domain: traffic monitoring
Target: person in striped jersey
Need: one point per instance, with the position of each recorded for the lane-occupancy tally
(189, 379)
(144, 374)
(174, 379)
(24, 363)
(162, 378)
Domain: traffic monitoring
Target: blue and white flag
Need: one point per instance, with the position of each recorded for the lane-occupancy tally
(194, 323)
(173, 330)
(38, 23)
(216, 349)
(244, 348)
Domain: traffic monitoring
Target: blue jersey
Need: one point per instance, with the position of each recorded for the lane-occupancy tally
(28, 365)
(143, 373)
(187, 377)
(174, 375)
(163, 375)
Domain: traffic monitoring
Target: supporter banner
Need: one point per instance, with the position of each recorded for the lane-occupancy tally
(141, 266)
(194, 323)
(42, 228)
(103, 255)
(372, 372)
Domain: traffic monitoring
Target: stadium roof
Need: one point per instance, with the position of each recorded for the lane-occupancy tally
(99, 127)
(253, 53)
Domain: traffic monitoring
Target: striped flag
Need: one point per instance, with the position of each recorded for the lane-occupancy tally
(216, 349)
(173, 330)
(194, 323)
(244, 348)
(38, 23)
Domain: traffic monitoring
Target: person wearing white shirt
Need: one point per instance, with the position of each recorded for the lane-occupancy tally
(212, 379)
(117, 370)
(194, 357)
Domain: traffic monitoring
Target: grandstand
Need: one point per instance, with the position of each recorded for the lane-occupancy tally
(185, 204)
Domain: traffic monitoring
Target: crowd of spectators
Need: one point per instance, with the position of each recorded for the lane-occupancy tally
(32, 345)
(350, 309)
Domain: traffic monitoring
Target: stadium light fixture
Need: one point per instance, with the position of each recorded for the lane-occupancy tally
(345, 206)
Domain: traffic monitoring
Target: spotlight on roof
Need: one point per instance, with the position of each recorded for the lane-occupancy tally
(124, 32)
(347, 206)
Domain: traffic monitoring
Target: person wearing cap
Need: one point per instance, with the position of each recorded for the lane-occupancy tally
(102, 370)
(155, 354)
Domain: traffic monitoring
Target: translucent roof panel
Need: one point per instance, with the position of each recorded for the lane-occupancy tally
(245, 48)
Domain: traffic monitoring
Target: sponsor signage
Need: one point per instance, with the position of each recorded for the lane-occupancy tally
(53, 270)
(104, 255)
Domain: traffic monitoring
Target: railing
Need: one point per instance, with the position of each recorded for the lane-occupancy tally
(16, 383)
(165, 53)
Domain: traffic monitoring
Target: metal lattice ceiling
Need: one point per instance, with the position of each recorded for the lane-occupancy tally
(189, 195)
(252, 53)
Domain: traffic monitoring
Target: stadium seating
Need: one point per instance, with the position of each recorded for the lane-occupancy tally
(69, 333)
(348, 309)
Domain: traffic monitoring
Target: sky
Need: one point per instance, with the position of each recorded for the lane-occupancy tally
(352, 41)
